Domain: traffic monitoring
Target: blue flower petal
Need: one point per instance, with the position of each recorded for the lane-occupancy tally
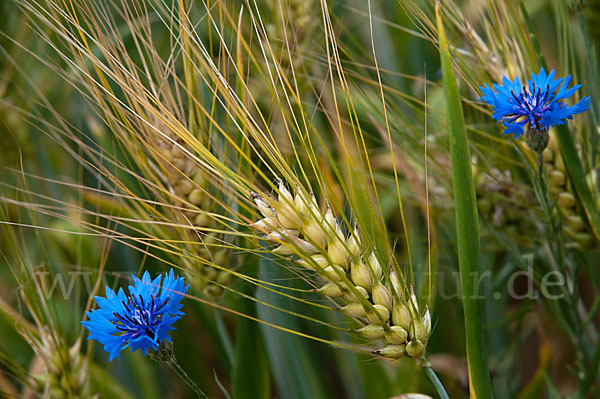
(537, 105)
(140, 320)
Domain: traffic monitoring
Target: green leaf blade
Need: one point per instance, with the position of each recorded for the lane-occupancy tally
(467, 226)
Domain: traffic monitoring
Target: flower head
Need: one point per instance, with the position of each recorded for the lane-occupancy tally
(140, 320)
(537, 105)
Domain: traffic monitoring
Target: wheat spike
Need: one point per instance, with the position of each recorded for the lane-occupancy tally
(352, 275)
(189, 185)
(505, 203)
(59, 370)
(561, 191)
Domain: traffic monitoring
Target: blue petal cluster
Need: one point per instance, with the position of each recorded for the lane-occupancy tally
(140, 320)
(537, 105)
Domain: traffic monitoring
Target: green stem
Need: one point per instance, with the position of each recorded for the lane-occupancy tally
(435, 381)
(467, 226)
(185, 377)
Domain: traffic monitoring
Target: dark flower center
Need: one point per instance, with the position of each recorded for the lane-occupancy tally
(140, 317)
(531, 105)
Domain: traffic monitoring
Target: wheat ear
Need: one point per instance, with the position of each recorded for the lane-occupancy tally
(189, 185)
(561, 191)
(59, 370)
(377, 298)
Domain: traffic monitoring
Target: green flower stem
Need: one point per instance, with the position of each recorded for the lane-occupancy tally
(172, 363)
(165, 354)
(467, 226)
(435, 381)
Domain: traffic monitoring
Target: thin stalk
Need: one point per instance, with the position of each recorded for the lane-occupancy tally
(172, 363)
(435, 381)
(467, 226)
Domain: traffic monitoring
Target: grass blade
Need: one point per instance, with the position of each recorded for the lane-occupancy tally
(250, 368)
(467, 226)
(250, 371)
(295, 375)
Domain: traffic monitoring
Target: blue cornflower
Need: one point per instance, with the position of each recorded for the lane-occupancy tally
(140, 320)
(536, 106)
